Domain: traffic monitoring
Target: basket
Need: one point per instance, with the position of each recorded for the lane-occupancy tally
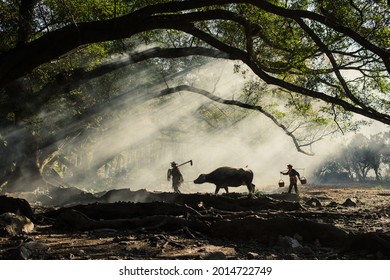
(281, 183)
(303, 180)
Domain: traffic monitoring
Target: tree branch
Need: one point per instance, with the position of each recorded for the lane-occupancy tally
(277, 10)
(247, 59)
(332, 60)
(75, 78)
(238, 104)
(22, 60)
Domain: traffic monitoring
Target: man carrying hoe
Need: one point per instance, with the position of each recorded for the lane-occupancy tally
(177, 177)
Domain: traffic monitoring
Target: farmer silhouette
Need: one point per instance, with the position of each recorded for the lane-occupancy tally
(293, 174)
(177, 177)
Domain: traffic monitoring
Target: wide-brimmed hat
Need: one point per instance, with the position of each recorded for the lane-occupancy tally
(173, 163)
(289, 165)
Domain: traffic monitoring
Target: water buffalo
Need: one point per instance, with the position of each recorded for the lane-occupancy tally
(224, 177)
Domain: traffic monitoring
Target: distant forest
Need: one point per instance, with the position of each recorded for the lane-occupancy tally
(363, 159)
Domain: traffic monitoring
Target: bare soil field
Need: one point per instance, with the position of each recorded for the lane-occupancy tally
(323, 223)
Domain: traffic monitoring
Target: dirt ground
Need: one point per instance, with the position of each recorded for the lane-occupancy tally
(360, 215)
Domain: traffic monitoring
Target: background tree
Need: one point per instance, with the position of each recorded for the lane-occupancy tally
(332, 172)
(386, 154)
(355, 160)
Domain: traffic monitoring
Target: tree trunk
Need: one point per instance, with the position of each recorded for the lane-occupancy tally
(24, 174)
(26, 11)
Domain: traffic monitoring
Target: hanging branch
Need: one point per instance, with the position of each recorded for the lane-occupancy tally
(239, 104)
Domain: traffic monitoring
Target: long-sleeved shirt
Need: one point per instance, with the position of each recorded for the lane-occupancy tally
(292, 173)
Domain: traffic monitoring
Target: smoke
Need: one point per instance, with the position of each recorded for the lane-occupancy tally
(139, 134)
(153, 132)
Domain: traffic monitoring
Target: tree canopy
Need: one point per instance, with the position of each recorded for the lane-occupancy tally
(315, 61)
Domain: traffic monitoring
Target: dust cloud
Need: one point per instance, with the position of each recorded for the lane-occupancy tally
(154, 131)
(142, 133)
